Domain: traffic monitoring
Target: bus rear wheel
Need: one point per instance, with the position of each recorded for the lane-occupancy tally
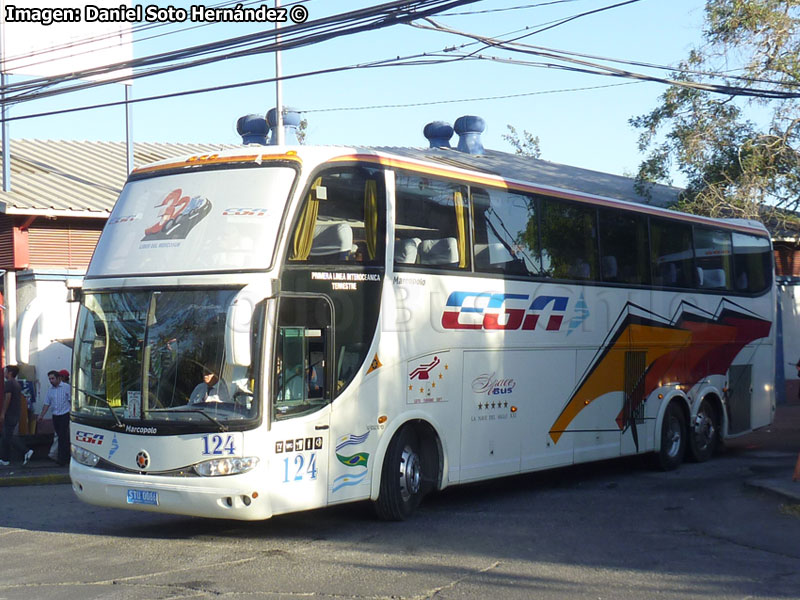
(402, 477)
(673, 439)
(705, 432)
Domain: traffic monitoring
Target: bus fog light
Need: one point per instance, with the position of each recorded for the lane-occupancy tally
(226, 466)
(83, 456)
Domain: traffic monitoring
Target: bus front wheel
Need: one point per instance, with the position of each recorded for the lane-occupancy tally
(673, 439)
(402, 477)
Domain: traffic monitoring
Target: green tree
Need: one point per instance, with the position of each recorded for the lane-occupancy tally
(734, 166)
(302, 131)
(526, 144)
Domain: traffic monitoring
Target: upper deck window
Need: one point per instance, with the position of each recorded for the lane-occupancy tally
(432, 223)
(341, 220)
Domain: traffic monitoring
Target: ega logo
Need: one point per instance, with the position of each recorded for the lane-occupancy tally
(473, 310)
(89, 438)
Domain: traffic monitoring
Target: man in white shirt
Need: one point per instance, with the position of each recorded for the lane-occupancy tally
(58, 401)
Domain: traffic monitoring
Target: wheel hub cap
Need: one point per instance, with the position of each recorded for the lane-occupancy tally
(410, 473)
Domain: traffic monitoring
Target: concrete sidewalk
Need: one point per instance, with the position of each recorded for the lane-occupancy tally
(782, 437)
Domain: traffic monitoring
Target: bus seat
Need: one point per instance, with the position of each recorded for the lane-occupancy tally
(443, 251)
(332, 241)
(610, 270)
(405, 251)
(714, 278)
(481, 255)
(580, 270)
(700, 276)
(669, 274)
(741, 281)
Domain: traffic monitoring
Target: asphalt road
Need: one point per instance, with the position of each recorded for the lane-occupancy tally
(609, 530)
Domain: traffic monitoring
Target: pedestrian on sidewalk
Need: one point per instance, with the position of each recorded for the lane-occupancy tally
(58, 400)
(9, 417)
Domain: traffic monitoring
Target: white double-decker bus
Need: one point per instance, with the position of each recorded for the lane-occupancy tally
(274, 329)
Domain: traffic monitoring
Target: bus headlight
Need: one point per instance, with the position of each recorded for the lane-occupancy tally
(226, 466)
(83, 456)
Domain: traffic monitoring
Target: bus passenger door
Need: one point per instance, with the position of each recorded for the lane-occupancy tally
(300, 396)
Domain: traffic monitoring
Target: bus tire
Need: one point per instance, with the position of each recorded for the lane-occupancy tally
(704, 432)
(673, 439)
(401, 478)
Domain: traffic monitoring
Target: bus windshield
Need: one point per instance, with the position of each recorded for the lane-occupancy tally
(159, 357)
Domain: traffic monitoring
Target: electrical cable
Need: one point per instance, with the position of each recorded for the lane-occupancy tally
(377, 64)
(683, 70)
(507, 9)
(399, 11)
(459, 100)
(598, 69)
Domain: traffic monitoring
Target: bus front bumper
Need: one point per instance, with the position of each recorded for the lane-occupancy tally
(240, 497)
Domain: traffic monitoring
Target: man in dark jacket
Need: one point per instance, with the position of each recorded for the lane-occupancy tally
(9, 417)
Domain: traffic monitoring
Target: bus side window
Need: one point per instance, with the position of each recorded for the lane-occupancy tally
(432, 223)
(569, 240)
(672, 255)
(713, 258)
(752, 263)
(624, 247)
(506, 233)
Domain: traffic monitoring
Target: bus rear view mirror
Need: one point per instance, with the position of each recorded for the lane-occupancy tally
(239, 326)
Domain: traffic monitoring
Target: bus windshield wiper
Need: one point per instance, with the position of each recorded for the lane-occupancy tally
(217, 422)
(120, 424)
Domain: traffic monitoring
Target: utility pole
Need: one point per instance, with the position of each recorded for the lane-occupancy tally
(279, 138)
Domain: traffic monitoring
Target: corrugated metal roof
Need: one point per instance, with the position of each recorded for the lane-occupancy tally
(78, 178)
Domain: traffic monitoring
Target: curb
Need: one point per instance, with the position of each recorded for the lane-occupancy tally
(788, 489)
(48, 479)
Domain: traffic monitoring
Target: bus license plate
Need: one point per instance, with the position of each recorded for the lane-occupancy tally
(143, 497)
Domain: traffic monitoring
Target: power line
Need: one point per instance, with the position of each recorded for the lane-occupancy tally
(566, 20)
(594, 68)
(573, 64)
(682, 70)
(459, 100)
(424, 59)
(391, 13)
(507, 9)
(412, 60)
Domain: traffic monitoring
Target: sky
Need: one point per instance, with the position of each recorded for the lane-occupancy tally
(580, 119)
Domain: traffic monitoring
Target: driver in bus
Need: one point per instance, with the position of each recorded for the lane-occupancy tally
(211, 389)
